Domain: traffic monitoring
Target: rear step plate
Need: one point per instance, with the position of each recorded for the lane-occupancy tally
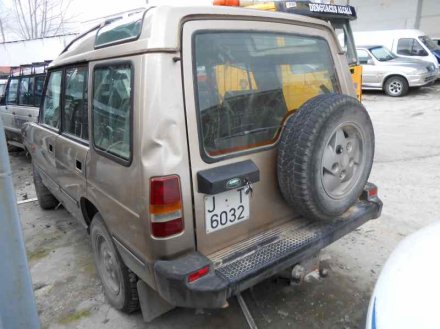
(283, 246)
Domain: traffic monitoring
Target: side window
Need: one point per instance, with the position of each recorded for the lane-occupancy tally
(363, 56)
(11, 97)
(112, 98)
(410, 47)
(75, 102)
(25, 91)
(38, 91)
(52, 100)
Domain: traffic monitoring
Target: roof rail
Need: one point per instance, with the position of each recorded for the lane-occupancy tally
(102, 24)
(97, 26)
(32, 67)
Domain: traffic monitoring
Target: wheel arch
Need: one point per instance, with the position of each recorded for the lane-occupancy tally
(88, 210)
(385, 78)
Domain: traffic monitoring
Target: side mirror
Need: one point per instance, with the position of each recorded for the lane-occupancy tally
(370, 61)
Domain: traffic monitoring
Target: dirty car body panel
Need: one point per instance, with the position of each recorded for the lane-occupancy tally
(158, 82)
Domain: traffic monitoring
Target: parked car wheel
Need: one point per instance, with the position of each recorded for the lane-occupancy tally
(120, 284)
(396, 86)
(325, 156)
(45, 198)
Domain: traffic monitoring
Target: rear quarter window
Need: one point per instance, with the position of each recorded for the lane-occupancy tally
(51, 111)
(12, 93)
(247, 83)
(112, 111)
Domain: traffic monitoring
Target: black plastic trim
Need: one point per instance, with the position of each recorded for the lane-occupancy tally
(213, 289)
(220, 179)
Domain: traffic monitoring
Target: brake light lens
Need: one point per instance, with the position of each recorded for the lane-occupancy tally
(372, 192)
(166, 213)
(197, 275)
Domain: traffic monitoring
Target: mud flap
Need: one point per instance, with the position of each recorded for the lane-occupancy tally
(152, 305)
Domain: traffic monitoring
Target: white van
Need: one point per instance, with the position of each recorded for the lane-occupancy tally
(404, 43)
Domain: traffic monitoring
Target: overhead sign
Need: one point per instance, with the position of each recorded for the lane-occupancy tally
(330, 9)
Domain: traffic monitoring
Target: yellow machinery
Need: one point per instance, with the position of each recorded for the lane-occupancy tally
(295, 92)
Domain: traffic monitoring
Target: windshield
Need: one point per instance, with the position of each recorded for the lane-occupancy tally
(382, 54)
(427, 41)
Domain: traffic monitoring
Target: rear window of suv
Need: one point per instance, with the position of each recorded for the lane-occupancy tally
(249, 82)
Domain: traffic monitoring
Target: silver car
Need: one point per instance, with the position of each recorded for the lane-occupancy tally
(383, 70)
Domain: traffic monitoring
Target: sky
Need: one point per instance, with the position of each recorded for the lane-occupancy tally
(84, 10)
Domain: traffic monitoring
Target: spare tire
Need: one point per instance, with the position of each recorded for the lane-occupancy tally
(325, 156)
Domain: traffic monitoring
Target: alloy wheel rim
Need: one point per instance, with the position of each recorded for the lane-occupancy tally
(107, 266)
(342, 161)
(395, 87)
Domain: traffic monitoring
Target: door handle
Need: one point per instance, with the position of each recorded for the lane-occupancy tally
(78, 165)
(13, 113)
(30, 115)
(50, 148)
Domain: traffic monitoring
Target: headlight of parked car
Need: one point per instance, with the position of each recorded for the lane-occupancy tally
(421, 71)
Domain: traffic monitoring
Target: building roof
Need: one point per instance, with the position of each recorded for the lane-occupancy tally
(5, 69)
(15, 53)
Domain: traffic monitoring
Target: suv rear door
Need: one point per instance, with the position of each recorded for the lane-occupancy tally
(241, 81)
(46, 136)
(29, 98)
(72, 145)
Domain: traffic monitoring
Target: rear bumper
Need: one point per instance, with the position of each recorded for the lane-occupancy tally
(288, 246)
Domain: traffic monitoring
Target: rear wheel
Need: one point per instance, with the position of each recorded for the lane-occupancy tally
(120, 284)
(396, 86)
(325, 156)
(44, 196)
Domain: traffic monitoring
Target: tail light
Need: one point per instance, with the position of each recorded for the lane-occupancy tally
(370, 192)
(166, 212)
(198, 274)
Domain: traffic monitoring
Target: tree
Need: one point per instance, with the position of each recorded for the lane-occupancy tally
(40, 18)
(2, 30)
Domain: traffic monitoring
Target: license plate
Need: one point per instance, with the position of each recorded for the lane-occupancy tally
(226, 209)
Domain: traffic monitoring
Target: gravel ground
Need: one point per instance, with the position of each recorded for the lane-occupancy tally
(69, 294)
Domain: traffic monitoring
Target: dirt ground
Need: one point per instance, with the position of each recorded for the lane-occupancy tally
(69, 294)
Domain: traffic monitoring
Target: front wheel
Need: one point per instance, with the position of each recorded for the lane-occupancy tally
(120, 284)
(396, 86)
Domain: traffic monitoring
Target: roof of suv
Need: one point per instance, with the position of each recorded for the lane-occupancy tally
(155, 34)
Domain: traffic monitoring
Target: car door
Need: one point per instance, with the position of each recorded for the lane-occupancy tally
(113, 165)
(10, 103)
(45, 138)
(412, 48)
(26, 110)
(238, 83)
(369, 71)
(72, 144)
